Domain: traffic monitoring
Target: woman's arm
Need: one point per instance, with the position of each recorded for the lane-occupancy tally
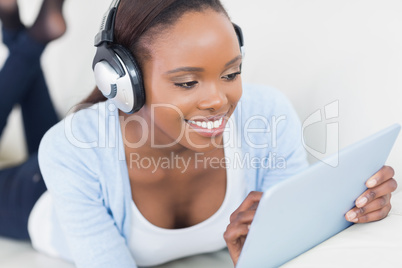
(92, 236)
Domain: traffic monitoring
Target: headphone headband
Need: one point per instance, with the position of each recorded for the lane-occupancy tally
(239, 34)
(106, 32)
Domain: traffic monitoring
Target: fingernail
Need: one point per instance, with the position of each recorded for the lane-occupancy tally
(351, 215)
(355, 220)
(361, 201)
(371, 182)
(248, 226)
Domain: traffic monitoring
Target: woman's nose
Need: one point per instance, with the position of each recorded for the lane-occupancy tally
(212, 98)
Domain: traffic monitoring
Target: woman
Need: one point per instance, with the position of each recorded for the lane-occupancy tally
(22, 82)
(184, 173)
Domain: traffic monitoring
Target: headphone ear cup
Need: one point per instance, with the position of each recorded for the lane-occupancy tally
(135, 98)
(106, 79)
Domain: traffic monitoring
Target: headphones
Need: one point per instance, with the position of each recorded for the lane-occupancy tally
(117, 74)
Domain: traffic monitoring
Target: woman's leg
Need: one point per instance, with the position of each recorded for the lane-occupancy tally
(38, 113)
(22, 80)
(20, 188)
(18, 73)
(37, 108)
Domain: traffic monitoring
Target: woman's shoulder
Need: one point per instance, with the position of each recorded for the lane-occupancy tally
(77, 136)
(75, 151)
(81, 129)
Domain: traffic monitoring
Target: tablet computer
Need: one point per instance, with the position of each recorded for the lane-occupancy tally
(297, 214)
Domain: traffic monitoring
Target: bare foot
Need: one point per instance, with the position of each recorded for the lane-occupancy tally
(9, 14)
(50, 23)
(8, 5)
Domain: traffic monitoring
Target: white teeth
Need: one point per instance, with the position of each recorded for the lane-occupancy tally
(208, 125)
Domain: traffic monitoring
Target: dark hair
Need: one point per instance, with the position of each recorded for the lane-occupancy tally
(138, 23)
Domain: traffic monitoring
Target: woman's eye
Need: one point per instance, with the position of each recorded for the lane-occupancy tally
(187, 84)
(231, 77)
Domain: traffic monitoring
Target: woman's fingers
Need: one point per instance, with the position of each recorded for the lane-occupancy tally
(369, 195)
(240, 221)
(375, 215)
(237, 229)
(374, 204)
(384, 174)
(239, 225)
(245, 217)
(236, 233)
(356, 214)
(251, 202)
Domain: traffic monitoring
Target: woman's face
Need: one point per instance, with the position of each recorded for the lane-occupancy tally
(192, 82)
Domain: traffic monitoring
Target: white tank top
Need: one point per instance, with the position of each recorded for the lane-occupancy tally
(151, 245)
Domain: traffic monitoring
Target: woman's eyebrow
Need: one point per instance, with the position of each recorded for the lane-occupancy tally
(185, 69)
(233, 61)
(198, 69)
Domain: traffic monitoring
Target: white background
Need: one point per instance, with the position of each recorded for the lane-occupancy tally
(315, 51)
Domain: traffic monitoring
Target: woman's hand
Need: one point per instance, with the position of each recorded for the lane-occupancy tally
(374, 204)
(240, 221)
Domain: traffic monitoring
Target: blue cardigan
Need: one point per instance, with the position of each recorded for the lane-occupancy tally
(83, 164)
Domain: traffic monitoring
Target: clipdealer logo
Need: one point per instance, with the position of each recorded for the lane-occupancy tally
(331, 112)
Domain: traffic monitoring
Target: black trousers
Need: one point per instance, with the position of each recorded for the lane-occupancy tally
(22, 82)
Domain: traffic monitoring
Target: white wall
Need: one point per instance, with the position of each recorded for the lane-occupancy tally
(315, 51)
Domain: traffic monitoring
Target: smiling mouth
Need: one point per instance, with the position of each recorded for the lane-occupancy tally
(212, 126)
(207, 125)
